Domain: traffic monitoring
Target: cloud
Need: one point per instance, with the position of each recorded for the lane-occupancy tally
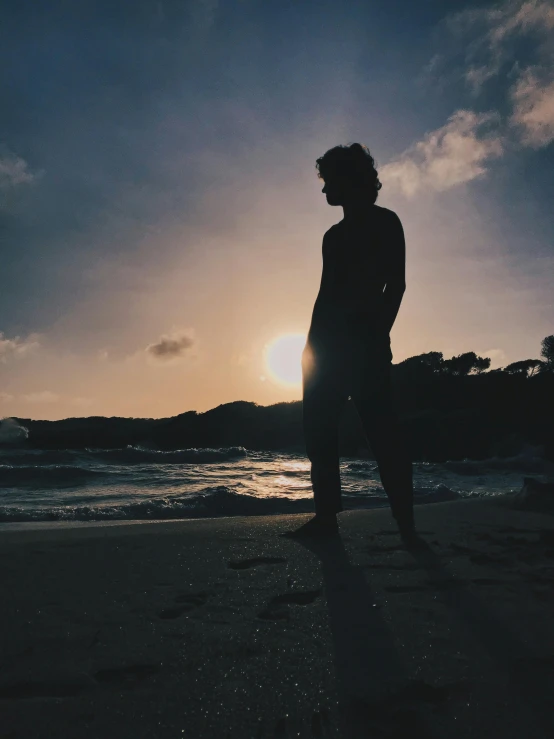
(45, 396)
(17, 347)
(497, 356)
(488, 35)
(533, 111)
(461, 150)
(82, 402)
(171, 346)
(457, 152)
(520, 16)
(14, 171)
(531, 94)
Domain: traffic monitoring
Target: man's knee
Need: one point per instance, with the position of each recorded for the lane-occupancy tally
(321, 452)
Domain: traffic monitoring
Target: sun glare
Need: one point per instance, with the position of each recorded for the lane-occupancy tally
(283, 359)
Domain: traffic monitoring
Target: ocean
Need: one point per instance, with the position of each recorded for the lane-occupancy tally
(137, 483)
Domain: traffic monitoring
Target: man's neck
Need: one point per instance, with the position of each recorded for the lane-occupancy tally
(356, 213)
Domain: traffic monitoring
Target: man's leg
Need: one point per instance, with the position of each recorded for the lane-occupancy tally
(373, 400)
(323, 399)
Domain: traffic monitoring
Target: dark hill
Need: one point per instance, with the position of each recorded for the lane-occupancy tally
(446, 416)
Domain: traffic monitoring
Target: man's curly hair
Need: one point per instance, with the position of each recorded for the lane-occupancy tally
(353, 163)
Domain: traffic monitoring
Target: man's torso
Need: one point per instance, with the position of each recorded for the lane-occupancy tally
(355, 266)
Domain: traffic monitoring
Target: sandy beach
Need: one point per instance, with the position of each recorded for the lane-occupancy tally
(221, 628)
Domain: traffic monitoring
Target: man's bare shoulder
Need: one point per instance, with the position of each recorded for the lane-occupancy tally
(331, 232)
(330, 237)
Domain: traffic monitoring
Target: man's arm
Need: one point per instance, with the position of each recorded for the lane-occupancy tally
(321, 303)
(396, 277)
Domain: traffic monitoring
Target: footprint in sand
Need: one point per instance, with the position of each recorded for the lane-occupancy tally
(63, 687)
(534, 664)
(246, 564)
(126, 676)
(482, 558)
(546, 537)
(70, 686)
(278, 607)
(459, 549)
(446, 584)
(375, 549)
(516, 549)
(185, 602)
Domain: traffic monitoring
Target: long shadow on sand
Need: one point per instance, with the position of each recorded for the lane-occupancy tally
(375, 697)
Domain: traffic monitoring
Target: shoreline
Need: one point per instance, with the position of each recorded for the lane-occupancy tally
(13, 526)
(305, 506)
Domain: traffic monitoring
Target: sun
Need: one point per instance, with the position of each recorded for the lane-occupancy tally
(283, 359)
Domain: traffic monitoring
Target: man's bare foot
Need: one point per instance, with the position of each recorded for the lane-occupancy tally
(411, 538)
(318, 526)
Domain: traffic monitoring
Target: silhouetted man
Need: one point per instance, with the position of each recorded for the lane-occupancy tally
(348, 348)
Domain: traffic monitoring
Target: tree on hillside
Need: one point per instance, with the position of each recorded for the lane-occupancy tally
(527, 367)
(430, 361)
(547, 351)
(480, 365)
(465, 364)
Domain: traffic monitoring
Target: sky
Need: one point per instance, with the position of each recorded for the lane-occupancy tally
(160, 213)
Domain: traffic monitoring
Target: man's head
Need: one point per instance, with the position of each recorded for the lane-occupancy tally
(349, 174)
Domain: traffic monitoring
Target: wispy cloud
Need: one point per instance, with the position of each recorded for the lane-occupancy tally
(14, 171)
(497, 356)
(462, 149)
(16, 347)
(533, 108)
(44, 396)
(172, 346)
(82, 402)
(457, 152)
(531, 78)
(489, 32)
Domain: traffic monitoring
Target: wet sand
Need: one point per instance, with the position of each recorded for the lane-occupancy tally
(222, 628)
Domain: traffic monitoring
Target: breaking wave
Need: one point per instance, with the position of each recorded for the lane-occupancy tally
(126, 455)
(519, 463)
(209, 503)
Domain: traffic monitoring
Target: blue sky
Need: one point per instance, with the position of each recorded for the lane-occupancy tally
(157, 185)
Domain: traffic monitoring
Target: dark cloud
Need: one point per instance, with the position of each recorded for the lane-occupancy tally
(171, 346)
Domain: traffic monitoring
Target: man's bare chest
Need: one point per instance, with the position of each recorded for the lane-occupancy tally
(351, 250)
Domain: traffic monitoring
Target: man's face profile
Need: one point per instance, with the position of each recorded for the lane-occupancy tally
(333, 190)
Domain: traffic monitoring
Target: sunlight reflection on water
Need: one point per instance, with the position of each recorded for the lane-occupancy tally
(241, 481)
